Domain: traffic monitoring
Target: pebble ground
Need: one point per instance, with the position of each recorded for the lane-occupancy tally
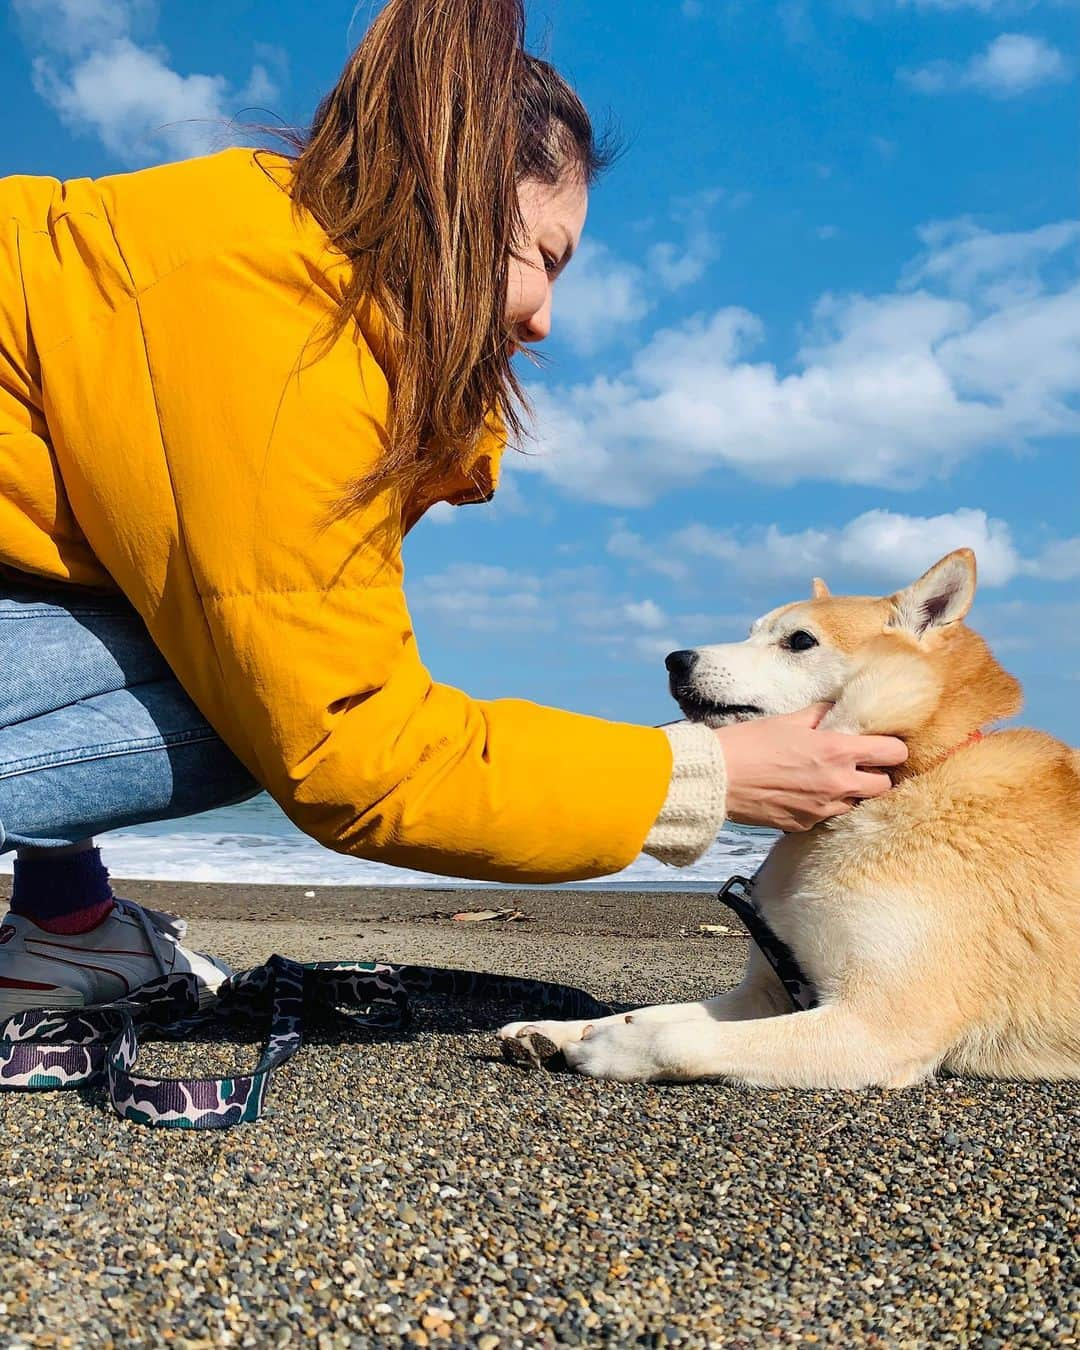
(419, 1191)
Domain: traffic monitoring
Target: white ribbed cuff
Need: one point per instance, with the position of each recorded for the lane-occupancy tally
(693, 813)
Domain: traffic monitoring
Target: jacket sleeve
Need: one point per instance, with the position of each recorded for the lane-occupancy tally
(289, 628)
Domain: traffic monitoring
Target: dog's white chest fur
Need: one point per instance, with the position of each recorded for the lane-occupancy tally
(815, 896)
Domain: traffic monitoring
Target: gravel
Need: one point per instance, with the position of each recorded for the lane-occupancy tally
(416, 1190)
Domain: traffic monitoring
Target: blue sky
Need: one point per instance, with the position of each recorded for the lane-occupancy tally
(826, 320)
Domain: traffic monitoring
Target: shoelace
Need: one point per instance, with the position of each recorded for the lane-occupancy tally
(155, 924)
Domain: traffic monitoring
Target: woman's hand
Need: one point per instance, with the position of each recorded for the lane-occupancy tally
(784, 773)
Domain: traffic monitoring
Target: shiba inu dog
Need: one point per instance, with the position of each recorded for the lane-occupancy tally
(939, 923)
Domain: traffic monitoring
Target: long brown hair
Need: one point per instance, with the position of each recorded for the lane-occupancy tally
(412, 166)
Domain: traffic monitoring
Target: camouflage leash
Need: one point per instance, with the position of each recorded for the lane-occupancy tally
(45, 1048)
(738, 894)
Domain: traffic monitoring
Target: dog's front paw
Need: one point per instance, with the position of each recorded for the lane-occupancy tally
(536, 1044)
(625, 1051)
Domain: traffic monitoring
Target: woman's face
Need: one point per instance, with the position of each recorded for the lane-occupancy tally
(553, 218)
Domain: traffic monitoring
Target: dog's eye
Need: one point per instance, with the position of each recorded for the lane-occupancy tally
(800, 641)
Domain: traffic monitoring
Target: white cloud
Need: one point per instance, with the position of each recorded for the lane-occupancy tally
(677, 267)
(442, 513)
(879, 549)
(631, 547)
(596, 296)
(600, 296)
(1018, 625)
(1015, 63)
(587, 608)
(578, 605)
(886, 390)
(673, 266)
(97, 67)
(653, 649)
(1059, 561)
(967, 260)
(75, 28)
(982, 6)
(645, 613)
(482, 598)
(1012, 65)
(485, 598)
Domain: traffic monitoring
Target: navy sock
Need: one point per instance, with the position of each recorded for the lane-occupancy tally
(66, 894)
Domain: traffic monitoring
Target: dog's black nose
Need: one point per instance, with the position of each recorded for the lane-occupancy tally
(680, 664)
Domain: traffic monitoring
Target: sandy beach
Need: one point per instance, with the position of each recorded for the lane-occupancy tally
(416, 1190)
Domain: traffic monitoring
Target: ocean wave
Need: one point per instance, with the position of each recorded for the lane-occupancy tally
(255, 843)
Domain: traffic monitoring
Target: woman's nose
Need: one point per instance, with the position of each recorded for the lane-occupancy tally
(538, 325)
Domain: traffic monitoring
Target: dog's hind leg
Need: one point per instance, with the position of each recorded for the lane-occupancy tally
(833, 1046)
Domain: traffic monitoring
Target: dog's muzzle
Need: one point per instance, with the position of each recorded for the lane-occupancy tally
(694, 707)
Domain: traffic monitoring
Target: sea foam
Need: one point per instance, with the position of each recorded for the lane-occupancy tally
(256, 843)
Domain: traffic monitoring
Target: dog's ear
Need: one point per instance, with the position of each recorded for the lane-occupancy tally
(941, 596)
(818, 589)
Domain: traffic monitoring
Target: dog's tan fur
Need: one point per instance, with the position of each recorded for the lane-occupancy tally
(940, 922)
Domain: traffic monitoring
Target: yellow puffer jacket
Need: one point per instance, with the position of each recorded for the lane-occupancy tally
(166, 430)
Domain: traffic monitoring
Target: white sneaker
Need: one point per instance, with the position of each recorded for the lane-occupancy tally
(130, 948)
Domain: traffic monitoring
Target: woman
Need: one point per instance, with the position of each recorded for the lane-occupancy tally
(228, 388)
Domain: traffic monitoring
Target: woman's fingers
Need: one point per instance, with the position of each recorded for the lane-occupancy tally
(787, 773)
(871, 784)
(807, 717)
(883, 751)
(798, 821)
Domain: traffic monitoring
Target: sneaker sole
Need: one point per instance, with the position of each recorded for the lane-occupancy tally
(208, 994)
(14, 1001)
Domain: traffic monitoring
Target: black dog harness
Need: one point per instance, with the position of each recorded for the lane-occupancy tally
(738, 895)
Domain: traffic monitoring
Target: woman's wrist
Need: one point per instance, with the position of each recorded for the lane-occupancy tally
(693, 812)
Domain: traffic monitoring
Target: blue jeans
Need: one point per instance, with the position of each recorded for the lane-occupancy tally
(95, 732)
